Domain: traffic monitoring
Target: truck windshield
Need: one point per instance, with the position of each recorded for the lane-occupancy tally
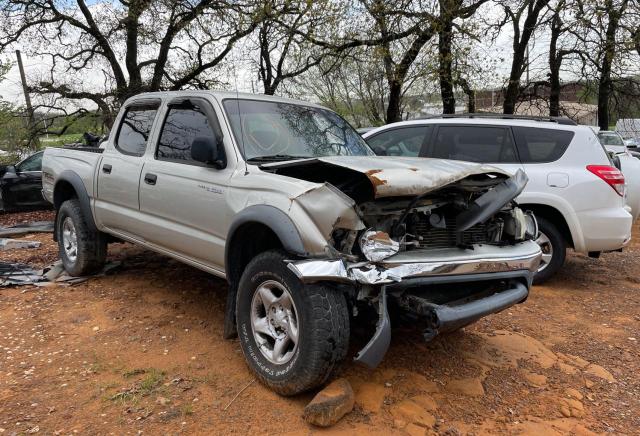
(273, 131)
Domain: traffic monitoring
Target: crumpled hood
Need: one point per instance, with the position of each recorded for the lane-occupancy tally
(398, 176)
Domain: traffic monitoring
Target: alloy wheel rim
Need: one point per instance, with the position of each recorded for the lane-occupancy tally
(274, 322)
(69, 239)
(547, 251)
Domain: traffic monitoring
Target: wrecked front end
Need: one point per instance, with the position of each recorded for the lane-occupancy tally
(443, 242)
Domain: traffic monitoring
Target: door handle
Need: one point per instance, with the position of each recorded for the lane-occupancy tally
(106, 168)
(150, 179)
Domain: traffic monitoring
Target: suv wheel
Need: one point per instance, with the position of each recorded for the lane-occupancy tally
(82, 250)
(293, 336)
(553, 248)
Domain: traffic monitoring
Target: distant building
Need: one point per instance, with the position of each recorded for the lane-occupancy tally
(581, 113)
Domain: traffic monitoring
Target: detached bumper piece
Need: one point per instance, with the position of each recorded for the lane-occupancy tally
(449, 316)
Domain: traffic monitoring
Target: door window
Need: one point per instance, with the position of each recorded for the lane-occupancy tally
(183, 124)
(537, 145)
(403, 141)
(135, 129)
(32, 163)
(474, 144)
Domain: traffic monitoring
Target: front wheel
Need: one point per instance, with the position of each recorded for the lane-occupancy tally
(554, 250)
(82, 250)
(293, 336)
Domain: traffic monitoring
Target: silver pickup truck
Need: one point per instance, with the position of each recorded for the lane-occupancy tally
(311, 230)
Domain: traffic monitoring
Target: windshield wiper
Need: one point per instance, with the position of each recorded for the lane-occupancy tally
(276, 158)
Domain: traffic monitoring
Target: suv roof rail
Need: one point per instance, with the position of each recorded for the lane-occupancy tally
(559, 120)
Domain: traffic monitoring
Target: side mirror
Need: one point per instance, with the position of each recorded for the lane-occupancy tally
(208, 151)
(10, 172)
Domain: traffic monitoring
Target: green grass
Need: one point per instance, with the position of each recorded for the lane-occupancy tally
(58, 141)
(187, 409)
(150, 383)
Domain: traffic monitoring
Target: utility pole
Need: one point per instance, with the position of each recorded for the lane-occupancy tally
(31, 127)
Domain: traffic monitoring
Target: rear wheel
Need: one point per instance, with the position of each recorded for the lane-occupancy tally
(293, 336)
(82, 250)
(554, 250)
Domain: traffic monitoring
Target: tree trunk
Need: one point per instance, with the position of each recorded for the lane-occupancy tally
(470, 93)
(519, 62)
(393, 106)
(445, 37)
(555, 61)
(605, 82)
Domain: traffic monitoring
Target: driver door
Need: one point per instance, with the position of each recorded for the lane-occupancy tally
(184, 201)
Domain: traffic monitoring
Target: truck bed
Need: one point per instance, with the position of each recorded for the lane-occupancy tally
(80, 160)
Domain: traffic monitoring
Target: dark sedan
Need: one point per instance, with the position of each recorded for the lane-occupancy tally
(21, 185)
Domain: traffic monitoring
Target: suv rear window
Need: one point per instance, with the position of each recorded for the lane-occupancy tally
(474, 144)
(135, 128)
(537, 145)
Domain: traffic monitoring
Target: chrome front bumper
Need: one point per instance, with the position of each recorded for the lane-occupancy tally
(524, 256)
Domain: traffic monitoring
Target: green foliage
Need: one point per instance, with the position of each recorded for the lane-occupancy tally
(13, 129)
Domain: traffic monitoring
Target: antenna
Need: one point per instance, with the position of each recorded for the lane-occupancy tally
(241, 144)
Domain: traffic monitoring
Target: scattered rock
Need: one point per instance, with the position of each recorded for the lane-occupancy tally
(566, 368)
(537, 380)
(419, 382)
(600, 372)
(588, 383)
(574, 393)
(96, 328)
(412, 412)
(415, 430)
(370, 397)
(426, 402)
(466, 386)
(330, 404)
(574, 408)
(163, 401)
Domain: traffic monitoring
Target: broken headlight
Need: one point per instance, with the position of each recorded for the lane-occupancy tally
(377, 245)
(531, 225)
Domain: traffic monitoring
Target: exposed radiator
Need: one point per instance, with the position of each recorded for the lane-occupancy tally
(444, 238)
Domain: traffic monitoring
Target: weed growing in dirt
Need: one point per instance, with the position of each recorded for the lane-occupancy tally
(150, 383)
(187, 409)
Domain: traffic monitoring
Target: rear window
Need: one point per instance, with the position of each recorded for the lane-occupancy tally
(135, 128)
(403, 141)
(474, 144)
(537, 145)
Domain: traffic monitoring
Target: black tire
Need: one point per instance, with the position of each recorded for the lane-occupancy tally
(91, 245)
(322, 321)
(552, 237)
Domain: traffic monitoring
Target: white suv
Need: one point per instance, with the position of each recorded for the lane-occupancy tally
(576, 193)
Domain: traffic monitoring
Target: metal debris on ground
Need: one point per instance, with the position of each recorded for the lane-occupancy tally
(24, 228)
(12, 244)
(17, 274)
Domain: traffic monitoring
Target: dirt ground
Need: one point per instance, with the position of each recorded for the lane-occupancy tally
(140, 351)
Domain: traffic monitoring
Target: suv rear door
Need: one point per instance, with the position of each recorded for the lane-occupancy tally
(490, 144)
(538, 146)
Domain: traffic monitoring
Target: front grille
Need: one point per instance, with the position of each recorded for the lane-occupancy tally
(446, 238)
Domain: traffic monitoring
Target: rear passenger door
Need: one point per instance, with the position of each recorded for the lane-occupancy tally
(539, 149)
(184, 200)
(117, 204)
(488, 144)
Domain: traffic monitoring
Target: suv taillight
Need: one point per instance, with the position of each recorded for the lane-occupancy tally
(611, 175)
